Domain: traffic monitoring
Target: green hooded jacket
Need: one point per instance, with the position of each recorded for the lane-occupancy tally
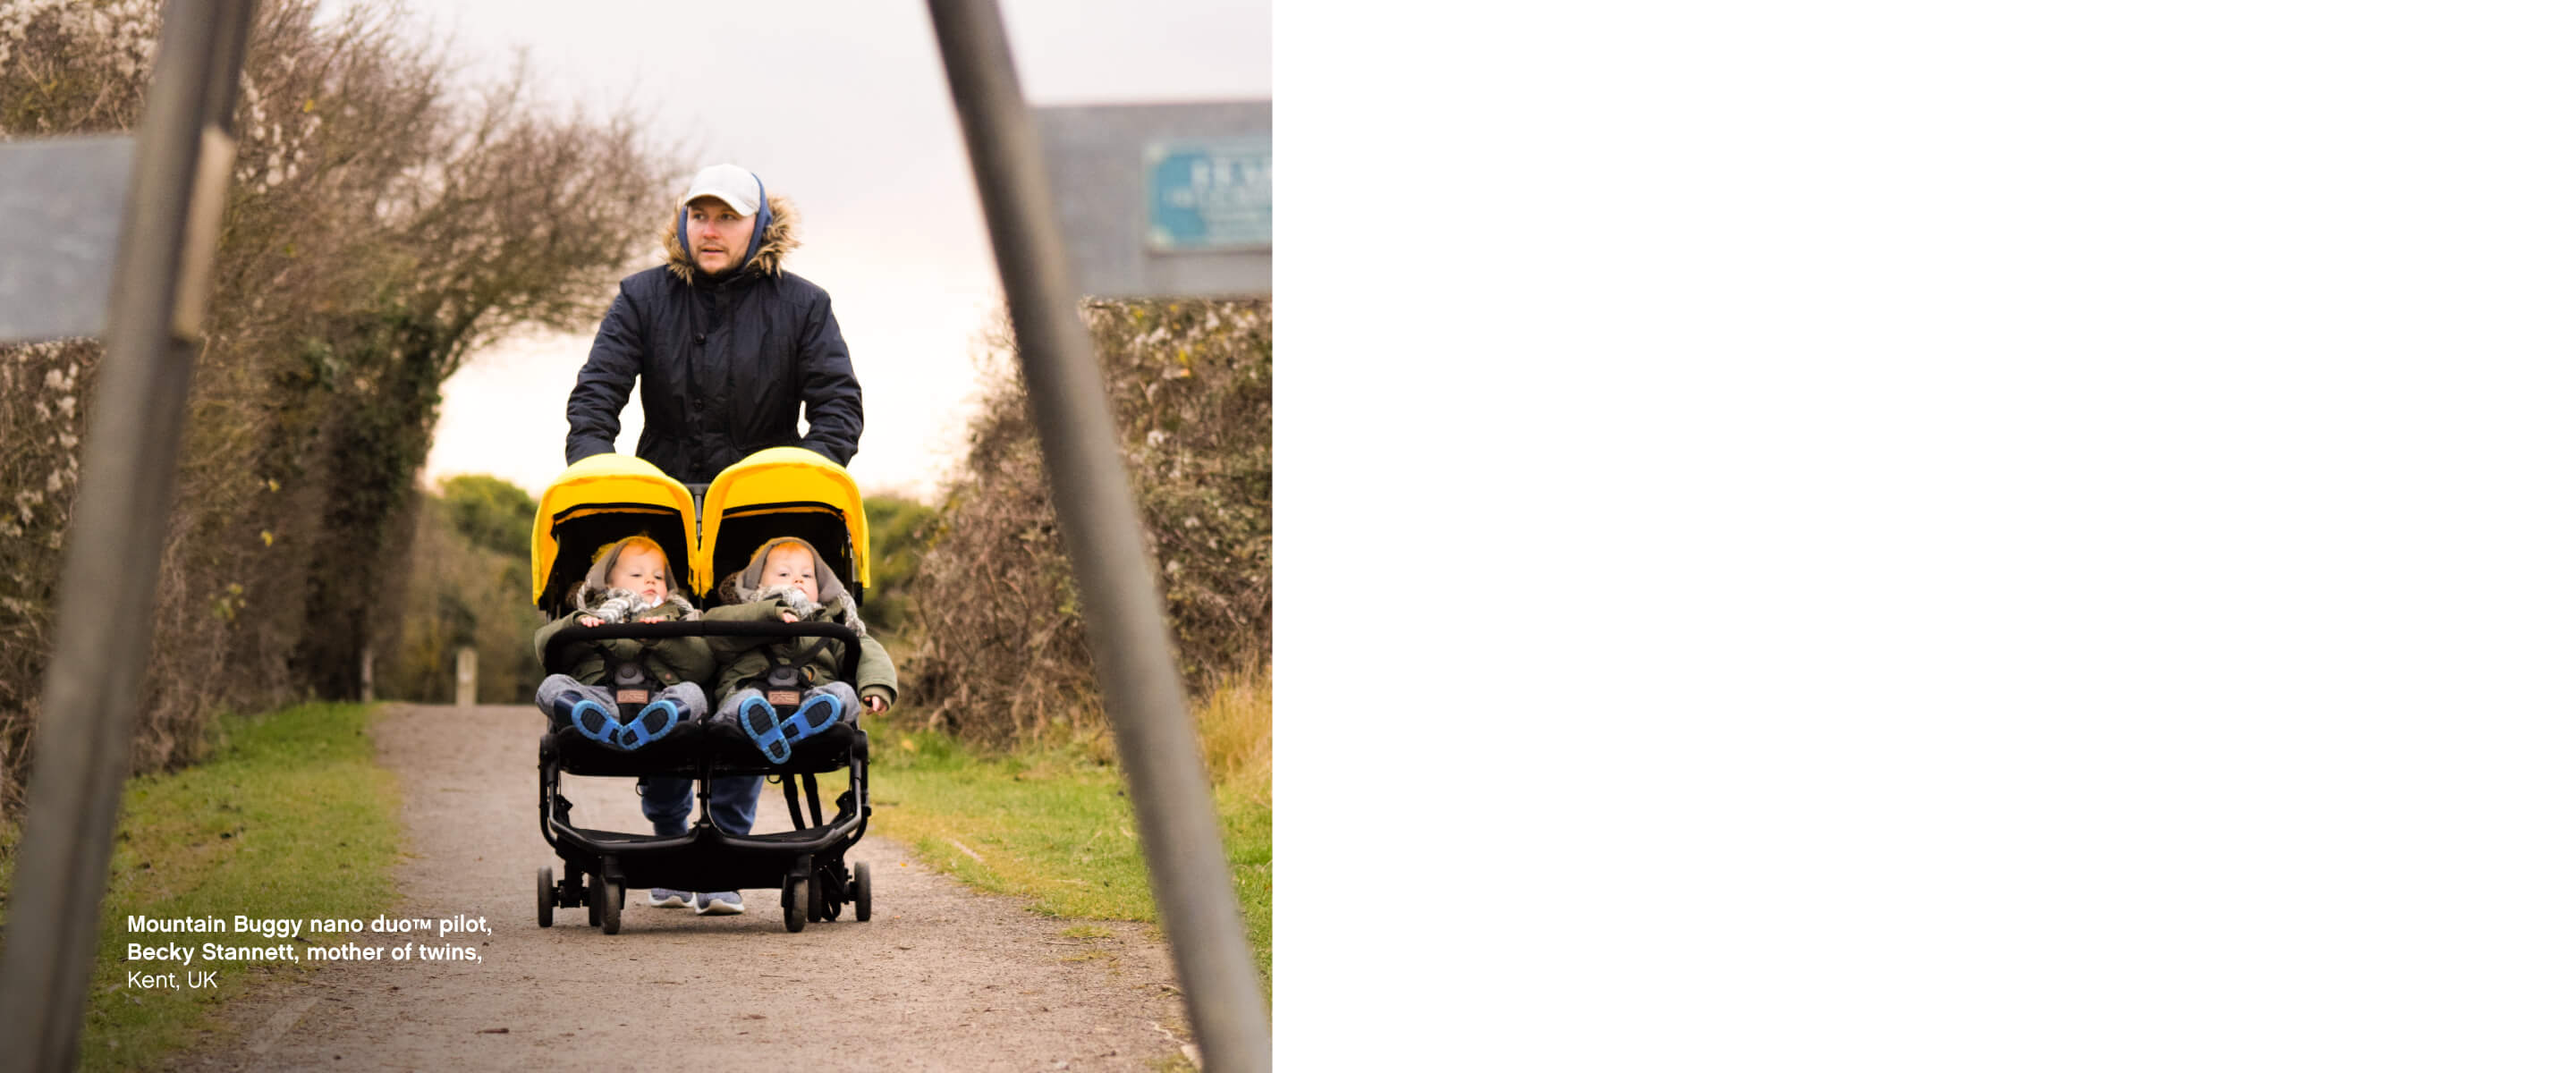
(668, 661)
(743, 662)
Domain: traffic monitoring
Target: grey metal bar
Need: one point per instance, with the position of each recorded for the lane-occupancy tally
(111, 558)
(1121, 601)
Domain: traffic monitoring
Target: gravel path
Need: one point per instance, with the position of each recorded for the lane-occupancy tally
(944, 978)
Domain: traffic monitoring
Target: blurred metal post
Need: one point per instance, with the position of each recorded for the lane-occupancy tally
(183, 158)
(1122, 604)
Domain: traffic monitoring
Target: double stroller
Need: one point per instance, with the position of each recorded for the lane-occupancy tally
(780, 492)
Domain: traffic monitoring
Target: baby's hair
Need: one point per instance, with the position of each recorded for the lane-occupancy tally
(782, 543)
(610, 552)
(771, 549)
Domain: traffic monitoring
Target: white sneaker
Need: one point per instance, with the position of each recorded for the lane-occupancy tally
(723, 903)
(664, 898)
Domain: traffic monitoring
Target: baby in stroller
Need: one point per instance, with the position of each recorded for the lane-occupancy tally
(629, 582)
(785, 581)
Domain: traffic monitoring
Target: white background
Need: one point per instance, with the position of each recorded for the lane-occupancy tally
(1885, 536)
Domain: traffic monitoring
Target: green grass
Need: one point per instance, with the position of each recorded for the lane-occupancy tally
(291, 817)
(1051, 826)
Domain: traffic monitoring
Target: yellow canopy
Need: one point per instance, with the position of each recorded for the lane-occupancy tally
(782, 480)
(608, 484)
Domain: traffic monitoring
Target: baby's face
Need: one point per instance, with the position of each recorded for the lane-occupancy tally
(790, 565)
(641, 572)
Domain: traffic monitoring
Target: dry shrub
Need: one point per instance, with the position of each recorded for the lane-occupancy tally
(40, 392)
(383, 222)
(1234, 734)
(1002, 653)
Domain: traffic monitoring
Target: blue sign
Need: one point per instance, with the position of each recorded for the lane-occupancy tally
(1207, 195)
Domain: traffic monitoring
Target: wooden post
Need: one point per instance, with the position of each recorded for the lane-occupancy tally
(367, 676)
(464, 676)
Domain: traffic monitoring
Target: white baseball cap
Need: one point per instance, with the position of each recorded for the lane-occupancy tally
(732, 183)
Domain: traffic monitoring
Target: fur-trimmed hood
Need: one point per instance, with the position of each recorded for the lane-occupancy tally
(742, 587)
(765, 260)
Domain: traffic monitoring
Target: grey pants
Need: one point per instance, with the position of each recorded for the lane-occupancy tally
(731, 710)
(555, 696)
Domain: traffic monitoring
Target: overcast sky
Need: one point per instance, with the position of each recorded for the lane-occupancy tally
(843, 108)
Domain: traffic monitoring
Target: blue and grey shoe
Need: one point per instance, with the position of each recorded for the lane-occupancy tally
(818, 712)
(666, 898)
(723, 903)
(595, 721)
(649, 725)
(761, 722)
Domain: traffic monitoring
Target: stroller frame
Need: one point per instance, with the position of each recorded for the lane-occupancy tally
(808, 864)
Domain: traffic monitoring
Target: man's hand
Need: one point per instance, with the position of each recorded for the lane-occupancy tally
(590, 620)
(873, 703)
(656, 618)
(786, 615)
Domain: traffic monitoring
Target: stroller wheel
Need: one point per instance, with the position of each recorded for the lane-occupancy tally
(791, 898)
(858, 894)
(817, 907)
(546, 896)
(610, 898)
(590, 900)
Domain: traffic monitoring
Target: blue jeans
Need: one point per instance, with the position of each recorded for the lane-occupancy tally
(669, 799)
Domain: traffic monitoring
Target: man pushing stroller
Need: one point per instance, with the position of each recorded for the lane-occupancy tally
(778, 350)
